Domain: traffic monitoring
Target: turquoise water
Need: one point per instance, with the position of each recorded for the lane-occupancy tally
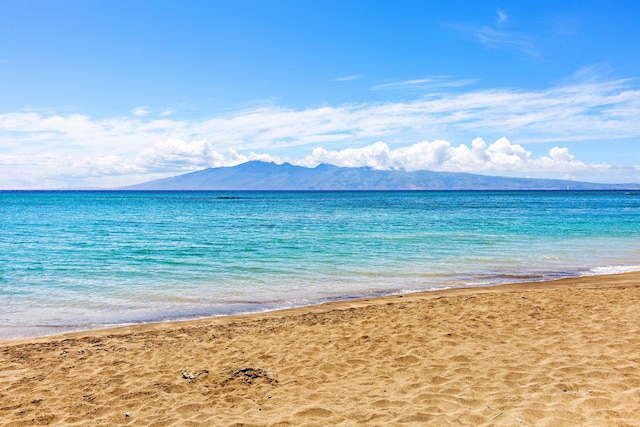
(78, 260)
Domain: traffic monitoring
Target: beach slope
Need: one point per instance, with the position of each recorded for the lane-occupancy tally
(556, 353)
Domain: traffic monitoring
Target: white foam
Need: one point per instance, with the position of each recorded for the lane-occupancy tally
(611, 269)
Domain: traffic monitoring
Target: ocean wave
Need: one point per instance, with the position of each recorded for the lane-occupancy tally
(611, 269)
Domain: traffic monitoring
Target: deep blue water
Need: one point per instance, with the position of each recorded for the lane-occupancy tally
(76, 260)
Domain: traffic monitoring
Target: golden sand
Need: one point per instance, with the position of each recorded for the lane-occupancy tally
(561, 353)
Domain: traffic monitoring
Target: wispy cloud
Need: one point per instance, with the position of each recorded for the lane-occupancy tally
(499, 36)
(347, 78)
(46, 145)
(592, 74)
(495, 39)
(424, 84)
(140, 111)
(502, 16)
(168, 111)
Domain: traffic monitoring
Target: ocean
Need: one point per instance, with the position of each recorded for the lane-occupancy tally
(92, 259)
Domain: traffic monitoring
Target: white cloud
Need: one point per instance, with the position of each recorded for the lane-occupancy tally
(440, 155)
(177, 155)
(173, 156)
(169, 156)
(492, 38)
(497, 37)
(592, 111)
(350, 134)
(424, 84)
(140, 111)
(347, 78)
(502, 16)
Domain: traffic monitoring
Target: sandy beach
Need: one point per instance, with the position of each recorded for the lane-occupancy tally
(560, 353)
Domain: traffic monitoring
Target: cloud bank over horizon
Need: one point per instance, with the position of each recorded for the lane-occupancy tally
(177, 156)
(52, 150)
(440, 155)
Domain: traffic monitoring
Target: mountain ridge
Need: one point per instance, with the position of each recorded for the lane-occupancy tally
(258, 175)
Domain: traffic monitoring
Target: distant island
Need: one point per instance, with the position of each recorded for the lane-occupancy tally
(257, 175)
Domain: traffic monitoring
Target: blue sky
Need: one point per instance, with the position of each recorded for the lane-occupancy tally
(108, 93)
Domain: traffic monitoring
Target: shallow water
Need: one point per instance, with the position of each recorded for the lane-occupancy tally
(77, 260)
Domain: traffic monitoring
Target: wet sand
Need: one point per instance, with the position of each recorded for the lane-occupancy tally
(560, 353)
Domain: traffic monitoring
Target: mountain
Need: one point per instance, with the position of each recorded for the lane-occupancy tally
(257, 175)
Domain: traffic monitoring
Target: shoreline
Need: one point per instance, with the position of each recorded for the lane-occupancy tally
(562, 352)
(337, 301)
(579, 282)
